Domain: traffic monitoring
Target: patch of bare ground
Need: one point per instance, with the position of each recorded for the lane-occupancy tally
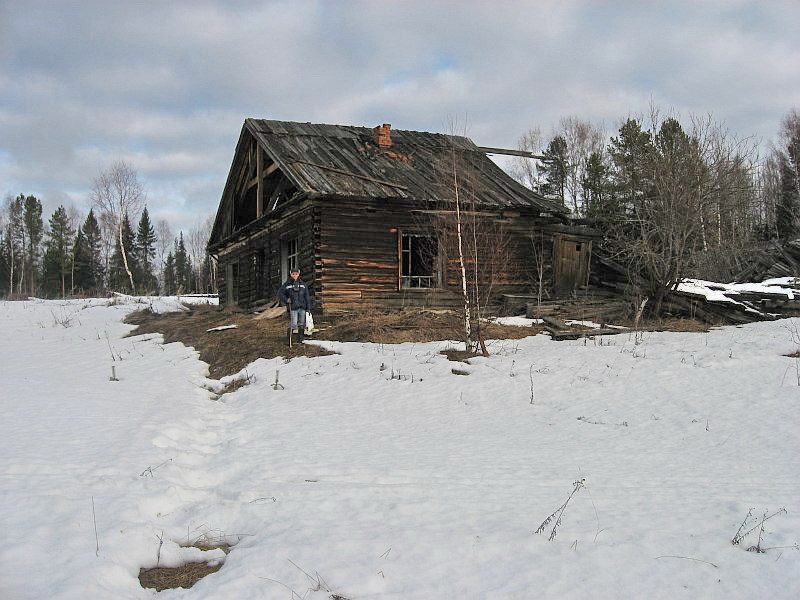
(167, 578)
(184, 576)
(668, 324)
(230, 350)
(412, 325)
(227, 351)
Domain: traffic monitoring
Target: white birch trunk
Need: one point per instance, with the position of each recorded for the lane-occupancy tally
(125, 259)
(467, 328)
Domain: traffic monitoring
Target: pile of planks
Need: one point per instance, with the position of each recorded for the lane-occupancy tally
(779, 259)
(560, 330)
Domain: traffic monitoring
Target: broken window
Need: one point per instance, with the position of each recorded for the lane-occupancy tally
(292, 260)
(290, 256)
(418, 261)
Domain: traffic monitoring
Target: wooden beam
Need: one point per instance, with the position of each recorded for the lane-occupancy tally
(273, 200)
(524, 153)
(260, 179)
(265, 173)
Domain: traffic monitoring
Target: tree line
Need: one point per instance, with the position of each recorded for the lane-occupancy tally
(672, 198)
(70, 254)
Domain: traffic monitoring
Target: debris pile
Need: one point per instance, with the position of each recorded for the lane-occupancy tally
(777, 260)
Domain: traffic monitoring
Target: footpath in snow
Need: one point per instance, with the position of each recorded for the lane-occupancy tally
(378, 473)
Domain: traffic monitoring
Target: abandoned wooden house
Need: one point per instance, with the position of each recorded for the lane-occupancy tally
(356, 210)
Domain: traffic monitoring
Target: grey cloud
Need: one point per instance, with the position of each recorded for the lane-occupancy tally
(168, 84)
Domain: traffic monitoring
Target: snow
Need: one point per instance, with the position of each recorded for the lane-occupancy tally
(721, 292)
(378, 473)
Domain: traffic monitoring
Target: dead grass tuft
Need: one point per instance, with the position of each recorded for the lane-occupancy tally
(166, 578)
(412, 325)
(673, 324)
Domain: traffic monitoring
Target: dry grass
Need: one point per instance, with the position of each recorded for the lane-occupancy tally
(166, 578)
(412, 325)
(678, 325)
(184, 576)
(228, 351)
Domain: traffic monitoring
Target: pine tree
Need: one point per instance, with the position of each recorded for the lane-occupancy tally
(554, 169)
(169, 275)
(58, 254)
(145, 252)
(118, 276)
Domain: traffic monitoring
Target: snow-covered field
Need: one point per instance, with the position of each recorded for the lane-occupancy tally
(379, 473)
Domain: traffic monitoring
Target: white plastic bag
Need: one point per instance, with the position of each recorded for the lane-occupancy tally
(309, 323)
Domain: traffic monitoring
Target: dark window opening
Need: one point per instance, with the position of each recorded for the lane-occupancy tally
(245, 210)
(418, 261)
(292, 260)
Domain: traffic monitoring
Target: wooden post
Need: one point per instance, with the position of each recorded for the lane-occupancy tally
(260, 180)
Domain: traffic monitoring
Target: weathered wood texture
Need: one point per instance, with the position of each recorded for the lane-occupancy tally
(347, 198)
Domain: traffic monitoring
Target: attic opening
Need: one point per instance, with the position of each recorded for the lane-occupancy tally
(245, 209)
(418, 260)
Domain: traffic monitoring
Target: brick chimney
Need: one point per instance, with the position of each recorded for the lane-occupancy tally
(383, 135)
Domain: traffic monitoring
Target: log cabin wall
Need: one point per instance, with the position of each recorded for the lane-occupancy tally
(358, 256)
(260, 259)
(349, 254)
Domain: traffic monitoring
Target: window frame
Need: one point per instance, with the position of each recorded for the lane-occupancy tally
(405, 256)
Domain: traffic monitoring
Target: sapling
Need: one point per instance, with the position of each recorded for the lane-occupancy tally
(530, 375)
(741, 533)
(558, 513)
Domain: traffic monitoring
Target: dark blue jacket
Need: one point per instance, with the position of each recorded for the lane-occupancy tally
(297, 292)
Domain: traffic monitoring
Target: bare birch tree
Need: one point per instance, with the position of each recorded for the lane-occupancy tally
(197, 240)
(117, 192)
(525, 170)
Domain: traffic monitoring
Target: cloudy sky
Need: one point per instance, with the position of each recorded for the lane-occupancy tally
(167, 85)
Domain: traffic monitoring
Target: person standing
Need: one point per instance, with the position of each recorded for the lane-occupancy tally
(294, 293)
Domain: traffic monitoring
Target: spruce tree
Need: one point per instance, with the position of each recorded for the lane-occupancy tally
(631, 155)
(83, 279)
(169, 276)
(554, 169)
(597, 196)
(34, 231)
(145, 252)
(58, 254)
(183, 268)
